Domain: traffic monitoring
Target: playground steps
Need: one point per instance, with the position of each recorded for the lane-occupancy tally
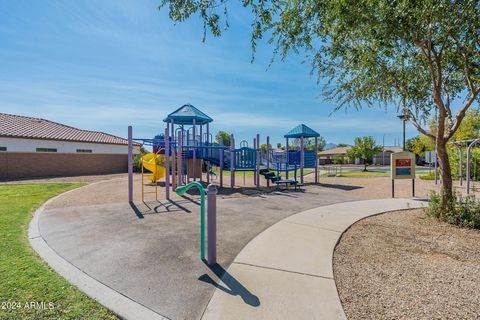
(269, 175)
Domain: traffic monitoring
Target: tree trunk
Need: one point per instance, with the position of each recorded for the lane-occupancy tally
(365, 165)
(446, 172)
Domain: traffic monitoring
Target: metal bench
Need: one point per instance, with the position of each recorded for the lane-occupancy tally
(287, 183)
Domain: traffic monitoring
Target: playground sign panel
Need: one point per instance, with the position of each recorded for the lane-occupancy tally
(402, 166)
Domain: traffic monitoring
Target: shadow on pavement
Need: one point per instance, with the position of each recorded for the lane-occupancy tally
(154, 207)
(136, 210)
(340, 186)
(233, 288)
(191, 200)
(176, 204)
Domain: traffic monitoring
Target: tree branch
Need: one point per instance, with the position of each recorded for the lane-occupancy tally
(418, 126)
(461, 114)
(429, 61)
(467, 73)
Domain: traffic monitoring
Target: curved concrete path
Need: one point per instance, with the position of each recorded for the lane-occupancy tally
(286, 272)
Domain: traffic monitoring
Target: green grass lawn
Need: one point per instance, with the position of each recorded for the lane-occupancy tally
(360, 174)
(24, 277)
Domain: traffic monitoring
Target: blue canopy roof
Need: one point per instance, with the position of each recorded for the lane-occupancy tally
(186, 114)
(302, 131)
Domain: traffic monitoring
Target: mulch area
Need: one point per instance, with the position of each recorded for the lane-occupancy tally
(405, 265)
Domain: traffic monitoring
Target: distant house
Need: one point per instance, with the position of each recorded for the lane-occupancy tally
(33, 147)
(339, 155)
(383, 158)
(335, 155)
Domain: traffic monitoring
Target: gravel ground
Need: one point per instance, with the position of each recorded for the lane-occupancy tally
(113, 188)
(405, 265)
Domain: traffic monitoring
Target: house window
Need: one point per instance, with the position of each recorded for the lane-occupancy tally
(84, 150)
(46, 150)
(3, 148)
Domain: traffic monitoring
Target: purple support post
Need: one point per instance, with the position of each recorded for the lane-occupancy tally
(468, 170)
(232, 162)
(179, 160)
(130, 165)
(268, 159)
(167, 164)
(255, 173)
(286, 150)
(460, 153)
(316, 159)
(220, 156)
(461, 166)
(208, 155)
(257, 162)
(202, 152)
(469, 148)
(302, 157)
(194, 150)
(212, 224)
(174, 181)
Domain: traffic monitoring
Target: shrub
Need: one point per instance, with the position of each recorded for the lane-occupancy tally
(137, 163)
(461, 211)
(428, 176)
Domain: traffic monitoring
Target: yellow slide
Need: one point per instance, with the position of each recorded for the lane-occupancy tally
(154, 163)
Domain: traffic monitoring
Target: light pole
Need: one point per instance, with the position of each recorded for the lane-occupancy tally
(383, 150)
(404, 118)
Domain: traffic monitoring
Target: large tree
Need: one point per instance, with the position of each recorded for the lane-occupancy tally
(364, 148)
(223, 137)
(309, 143)
(419, 55)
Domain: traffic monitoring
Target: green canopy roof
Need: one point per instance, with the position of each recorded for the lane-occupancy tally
(186, 114)
(302, 131)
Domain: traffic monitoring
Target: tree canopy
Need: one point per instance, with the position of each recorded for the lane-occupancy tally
(364, 148)
(309, 143)
(417, 55)
(224, 137)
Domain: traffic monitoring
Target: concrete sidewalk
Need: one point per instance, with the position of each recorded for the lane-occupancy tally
(286, 272)
(148, 253)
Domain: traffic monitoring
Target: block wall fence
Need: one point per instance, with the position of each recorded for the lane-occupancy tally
(16, 165)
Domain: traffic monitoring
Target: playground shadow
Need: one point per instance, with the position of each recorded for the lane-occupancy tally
(340, 186)
(156, 207)
(172, 204)
(191, 200)
(250, 191)
(137, 211)
(233, 287)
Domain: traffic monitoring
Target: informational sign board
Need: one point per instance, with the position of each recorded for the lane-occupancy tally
(402, 165)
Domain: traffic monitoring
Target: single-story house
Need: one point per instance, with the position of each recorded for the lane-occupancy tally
(339, 155)
(383, 158)
(33, 147)
(336, 155)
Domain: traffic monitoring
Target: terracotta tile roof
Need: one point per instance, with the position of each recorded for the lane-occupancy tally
(35, 128)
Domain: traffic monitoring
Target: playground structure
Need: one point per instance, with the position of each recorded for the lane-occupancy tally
(186, 147)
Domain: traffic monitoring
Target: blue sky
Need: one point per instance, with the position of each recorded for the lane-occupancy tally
(102, 65)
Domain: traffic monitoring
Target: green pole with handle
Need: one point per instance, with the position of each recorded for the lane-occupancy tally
(181, 191)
